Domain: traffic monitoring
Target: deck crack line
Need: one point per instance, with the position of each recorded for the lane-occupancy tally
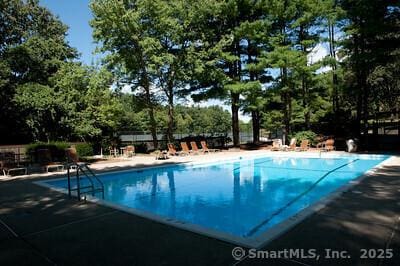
(34, 248)
(9, 228)
(257, 227)
(70, 223)
(389, 241)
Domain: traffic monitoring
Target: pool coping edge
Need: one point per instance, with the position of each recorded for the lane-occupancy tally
(254, 242)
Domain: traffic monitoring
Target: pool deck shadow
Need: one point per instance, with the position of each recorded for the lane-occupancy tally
(39, 226)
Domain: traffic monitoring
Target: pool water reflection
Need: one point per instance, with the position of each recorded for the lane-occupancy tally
(243, 198)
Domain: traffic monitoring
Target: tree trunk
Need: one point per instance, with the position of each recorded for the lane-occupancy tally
(235, 119)
(358, 113)
(289, 114)
(365, 92)
(359, 90)
(255, 116)
(286, 97)
(335, 93)
(170, 130)
(332, 53)
(150, 106)
(365, 109)
(304, 83)
(287, 101)
(307, 113)
(234, 73)
(153, 127)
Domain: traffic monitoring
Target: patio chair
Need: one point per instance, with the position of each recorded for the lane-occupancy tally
(129, 151)
(113, 151)
(185, 148)
(291, 147)
(196, 149)
(329, 145)
(320, 145)
(161, 155)
(46, 161)
(172, 150)
(205, 147)
(7, 168)
(73, 158)
(72, 155)
(276, 145)
(304, 145)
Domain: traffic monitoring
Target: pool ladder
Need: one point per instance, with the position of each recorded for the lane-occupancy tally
(83, 171)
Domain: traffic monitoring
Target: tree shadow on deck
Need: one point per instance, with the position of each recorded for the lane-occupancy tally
(365, 217)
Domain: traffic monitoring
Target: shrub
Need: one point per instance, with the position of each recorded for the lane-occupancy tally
(84, 149)
(57, 150)
(301, 135)
(141, 147)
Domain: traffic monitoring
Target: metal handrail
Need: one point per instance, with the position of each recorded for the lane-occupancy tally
(93, 175)
(90, 178)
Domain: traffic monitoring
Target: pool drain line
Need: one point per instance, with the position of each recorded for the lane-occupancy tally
(264, 161)
(257, 227)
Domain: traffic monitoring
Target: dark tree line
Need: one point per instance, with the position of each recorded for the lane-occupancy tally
(256, 55)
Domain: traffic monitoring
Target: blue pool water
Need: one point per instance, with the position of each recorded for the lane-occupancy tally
(243, 198)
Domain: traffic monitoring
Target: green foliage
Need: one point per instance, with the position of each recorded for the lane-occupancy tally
(373, 41)
(152, 44)
(245, 126)
(272, 120)
(43, 110)
(57, 150)
(77, 104)
(84, 149)
(199, 120)
(302, 135)
(32, 48)
(254, 54)
(189, 120)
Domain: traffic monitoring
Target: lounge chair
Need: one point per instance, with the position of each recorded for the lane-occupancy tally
(304, 145)
(320, 145)
(8, 168)
(193, 144)
(73, 158)
(329, 145)
(205, 147)
(276, 145)
(161, 155)
(292, 145)
(172, 150)
(129, 151)
(185, 148)
(46, 161)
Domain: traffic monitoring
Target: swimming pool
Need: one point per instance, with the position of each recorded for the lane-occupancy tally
(245, 201)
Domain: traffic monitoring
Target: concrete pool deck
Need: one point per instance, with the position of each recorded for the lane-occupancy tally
(39, 226)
